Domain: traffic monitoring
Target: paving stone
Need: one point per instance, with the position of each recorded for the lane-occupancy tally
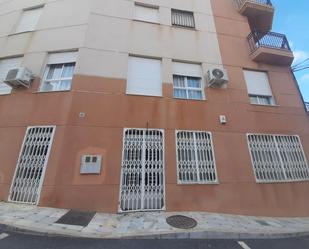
(151, 225)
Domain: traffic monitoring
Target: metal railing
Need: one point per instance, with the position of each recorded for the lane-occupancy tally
(240, 3)
(269, 39)
(307, 106)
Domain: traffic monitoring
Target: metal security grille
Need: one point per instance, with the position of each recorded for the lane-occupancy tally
(31, 165)
(195, 157)
(142, 176)
(278, 158)
(183, 18)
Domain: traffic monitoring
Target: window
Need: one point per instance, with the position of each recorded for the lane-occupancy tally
(258, 88)
(5, 66)
(187, 80)
(277, 158)
(29, 20)
(260, 100)
(307, 106)
(144, 76)
(146, 13)
(183, 18)
(195, 157)
(59, 72)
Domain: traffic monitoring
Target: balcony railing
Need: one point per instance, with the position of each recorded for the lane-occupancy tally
(240, 3)
(271, 40)
(307, 106)
(260, 13)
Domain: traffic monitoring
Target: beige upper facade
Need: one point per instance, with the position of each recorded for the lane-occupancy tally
(106, 33)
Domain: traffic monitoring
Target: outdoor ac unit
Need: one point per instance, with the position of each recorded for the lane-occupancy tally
(20, 76)
(217, 77)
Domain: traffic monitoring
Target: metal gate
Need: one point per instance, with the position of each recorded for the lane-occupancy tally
(31, 165)
(142, 171)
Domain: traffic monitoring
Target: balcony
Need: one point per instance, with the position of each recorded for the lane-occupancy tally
(260, 13)
(270, 48)
(307, 106)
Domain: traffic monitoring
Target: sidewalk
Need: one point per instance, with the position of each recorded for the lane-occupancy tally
(151, 224)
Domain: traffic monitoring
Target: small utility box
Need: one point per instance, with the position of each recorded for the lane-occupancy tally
(91, 164)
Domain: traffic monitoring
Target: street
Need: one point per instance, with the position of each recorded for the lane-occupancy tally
(13, 240)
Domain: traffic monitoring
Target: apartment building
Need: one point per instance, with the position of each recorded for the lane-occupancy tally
(175, 105)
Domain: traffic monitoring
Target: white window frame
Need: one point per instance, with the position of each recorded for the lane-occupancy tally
(130, 82)
(146, 6)
(254, 94)
(16, 31)
(307, 106)
(259, 99)
(187, 88)
(45, 80)
(198, 182)
(62, 61)
(279, 156)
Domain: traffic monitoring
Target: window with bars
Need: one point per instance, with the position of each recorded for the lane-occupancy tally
(277, 158)
(30, 170)
(58, 77)
(195, 157)
(186, 87)
(183, 18)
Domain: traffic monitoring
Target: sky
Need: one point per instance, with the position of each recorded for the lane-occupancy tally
(292, 19)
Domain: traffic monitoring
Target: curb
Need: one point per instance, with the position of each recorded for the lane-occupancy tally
(221, 235)
(180, 235)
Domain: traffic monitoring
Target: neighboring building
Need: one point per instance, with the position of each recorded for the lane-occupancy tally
(120, 116)
(307, 106)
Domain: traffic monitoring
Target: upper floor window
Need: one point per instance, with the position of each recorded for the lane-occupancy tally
(5, 66)
(144, 76)
(258, 88)
(29, 20)
(183, 18)
(147, 13)
(187, 81)
(278, 158)
(59, 72)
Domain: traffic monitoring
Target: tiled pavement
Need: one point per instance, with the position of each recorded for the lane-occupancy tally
(151, 224)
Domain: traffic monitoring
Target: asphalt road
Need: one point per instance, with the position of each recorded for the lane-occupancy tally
(13, 240)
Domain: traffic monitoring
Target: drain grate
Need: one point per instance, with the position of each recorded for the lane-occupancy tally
(262, 222)
(182, 222)
(76, 218)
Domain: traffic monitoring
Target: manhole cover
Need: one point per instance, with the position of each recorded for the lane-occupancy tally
(182, 222)
(77, 218)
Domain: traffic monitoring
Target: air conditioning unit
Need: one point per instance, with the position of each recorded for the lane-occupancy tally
(217, 77)
(20, 76)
